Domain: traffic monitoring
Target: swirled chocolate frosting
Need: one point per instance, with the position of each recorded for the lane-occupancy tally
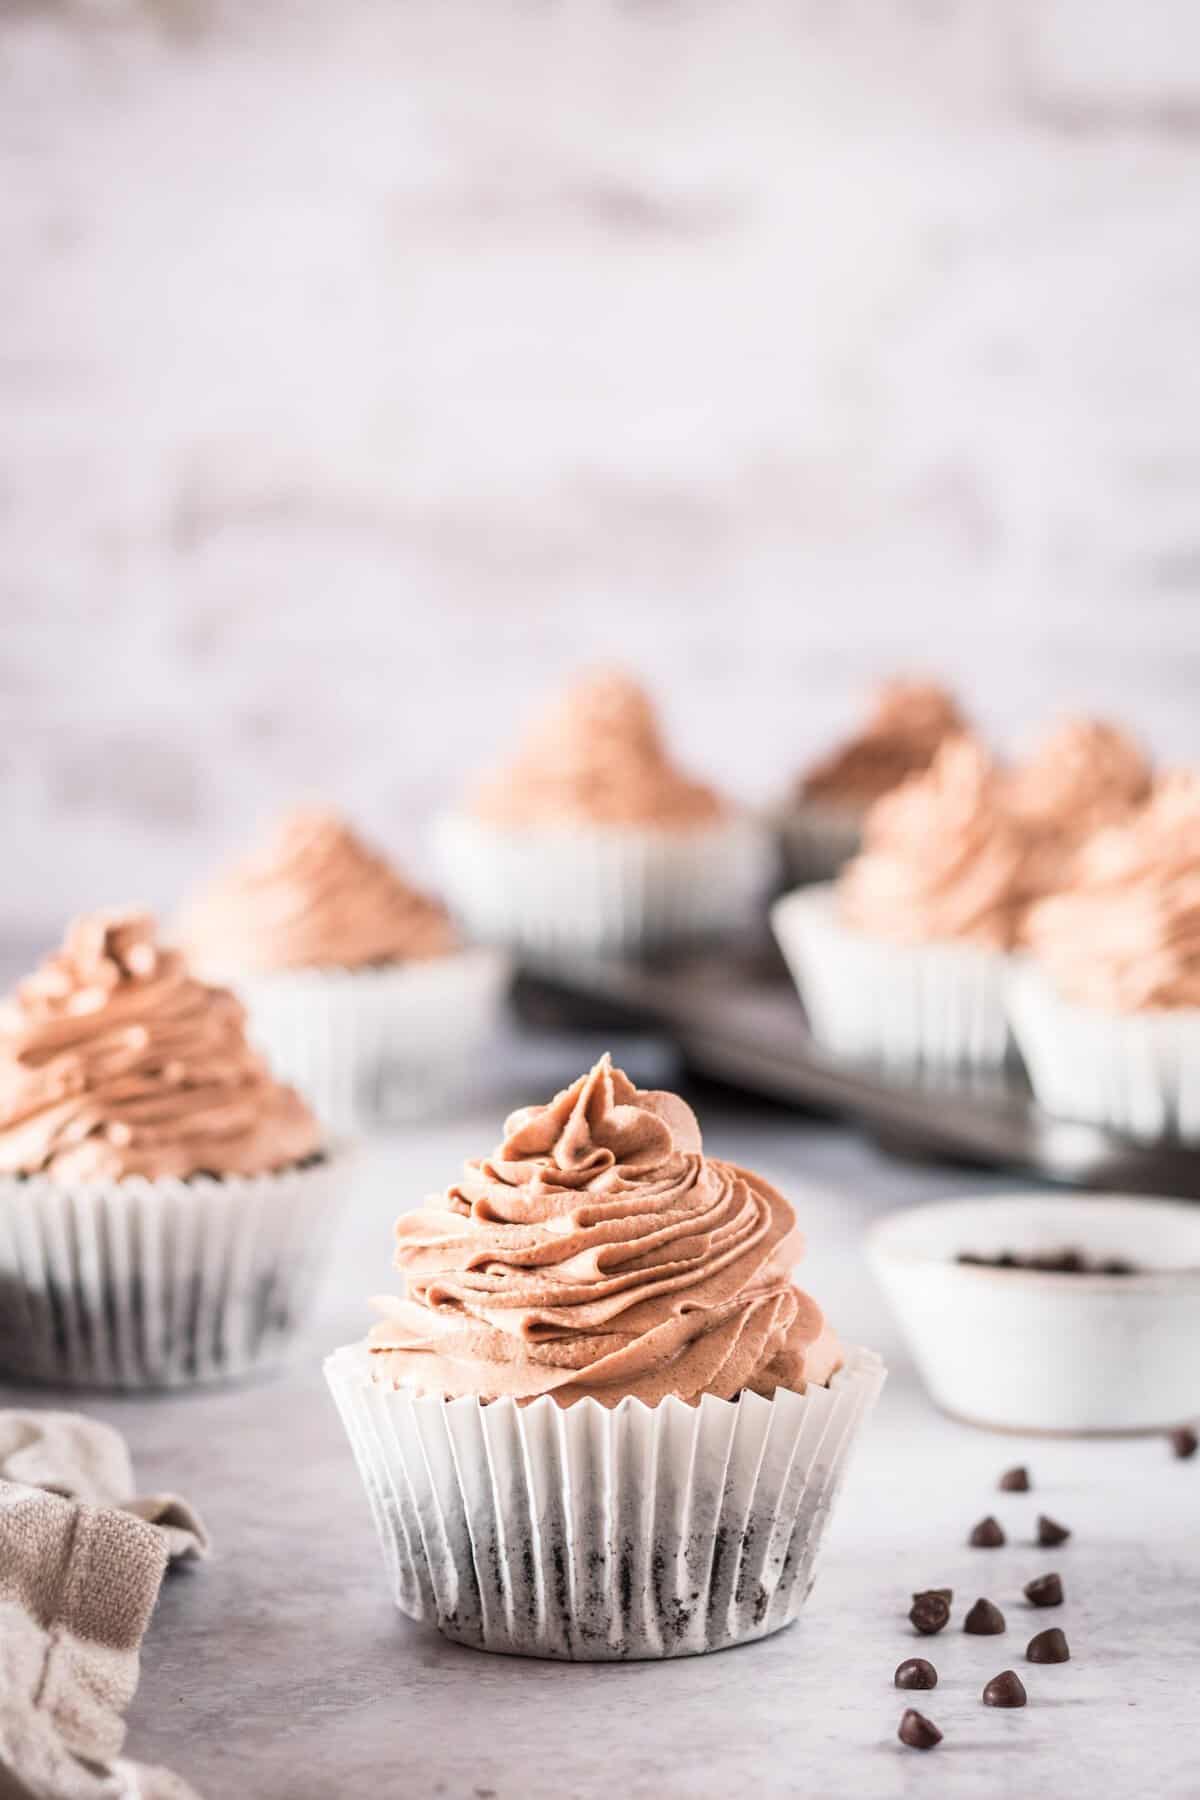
(907, 726)
(598, 1252)
(314, 896)
(941, 859)
(115, 1062)
(596, 757)
(1124, 934)
(1085, 775)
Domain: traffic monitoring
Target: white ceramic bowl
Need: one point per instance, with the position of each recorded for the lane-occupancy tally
(1022, 1350)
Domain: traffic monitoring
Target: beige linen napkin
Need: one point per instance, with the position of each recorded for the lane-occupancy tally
(84, 1460)
(78, 1584)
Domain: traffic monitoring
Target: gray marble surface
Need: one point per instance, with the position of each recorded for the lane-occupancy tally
(280, 1671)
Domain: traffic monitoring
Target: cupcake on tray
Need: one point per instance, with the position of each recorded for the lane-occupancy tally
(165, 1202)
(904, 959)
(357, 985)
(1084, 775)
(602, 1422)
(1106, 1008)
(821, 825)
(592, 839)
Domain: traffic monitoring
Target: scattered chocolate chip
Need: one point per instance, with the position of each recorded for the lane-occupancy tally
(916, 1673)
(987, 1535)
(1050, 1533)
(1116, 1265)
(1014, 1481)
(1005, 1690)
(1047, 1590)
(1048, 1647)
(1184, 1442)
(929, 1613)
(918, 1732)
(984, 1620)
(946, 1594)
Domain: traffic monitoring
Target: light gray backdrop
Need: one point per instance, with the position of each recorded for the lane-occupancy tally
(364, 367)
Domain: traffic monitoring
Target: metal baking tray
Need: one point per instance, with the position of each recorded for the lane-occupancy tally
(736, 1018)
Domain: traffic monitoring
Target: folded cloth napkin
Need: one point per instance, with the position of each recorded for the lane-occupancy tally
(84, 1460)
(80, 1568)
(77, 1587)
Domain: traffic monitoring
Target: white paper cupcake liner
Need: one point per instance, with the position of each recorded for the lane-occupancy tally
(602, 890)
(596, 1534)
(901, 1005)
(1138, 1073)
(160, 1284)
(816, 842)
(365, 1045)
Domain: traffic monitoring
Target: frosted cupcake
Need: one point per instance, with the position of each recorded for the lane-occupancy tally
(357, 985)
(164, 1201)
(904, 959)
(1106, 1011)
(602, 1422)
(1085, 774)
(821, 825)
(592, 839)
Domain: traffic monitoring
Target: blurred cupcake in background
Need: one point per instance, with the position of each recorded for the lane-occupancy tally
(1084, 775)
(1106, 1008)
(165, 1202)
(602, 1422)
(821, 824)
(358, 987)
(904, 958)
(592, 839)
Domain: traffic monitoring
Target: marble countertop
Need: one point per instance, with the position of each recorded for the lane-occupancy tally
(280, 1670)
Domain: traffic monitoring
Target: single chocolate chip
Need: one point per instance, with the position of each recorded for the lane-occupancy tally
(1048, 1647)
(984, 1620)
(916, 1673)
(1005, 1690)
(1184, 1442)
(946, 1594)
(1116, 1265)
(1050, 1533)
(1045, 1591)
(987, 1535)
(929, 1613)
(1014, 1481)
(918, 1732)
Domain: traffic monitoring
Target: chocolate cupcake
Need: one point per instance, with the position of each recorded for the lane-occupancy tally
(602, 1422)
(1106, 1008)
(164, 1201)
(357, 985)
(592, 839)
(904, 959)
(820, 825)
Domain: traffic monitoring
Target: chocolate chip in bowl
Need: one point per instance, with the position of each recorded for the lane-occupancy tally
(1048, 1313)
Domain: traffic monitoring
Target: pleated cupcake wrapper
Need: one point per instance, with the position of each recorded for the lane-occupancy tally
(602, 890)
(365, 1045)
(1137, 1073)
(597, 1534)
(902, 1005)
(817, 841)
(160, 1284)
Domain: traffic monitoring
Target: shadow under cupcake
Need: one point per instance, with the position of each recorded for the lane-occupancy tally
(602, 1423)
